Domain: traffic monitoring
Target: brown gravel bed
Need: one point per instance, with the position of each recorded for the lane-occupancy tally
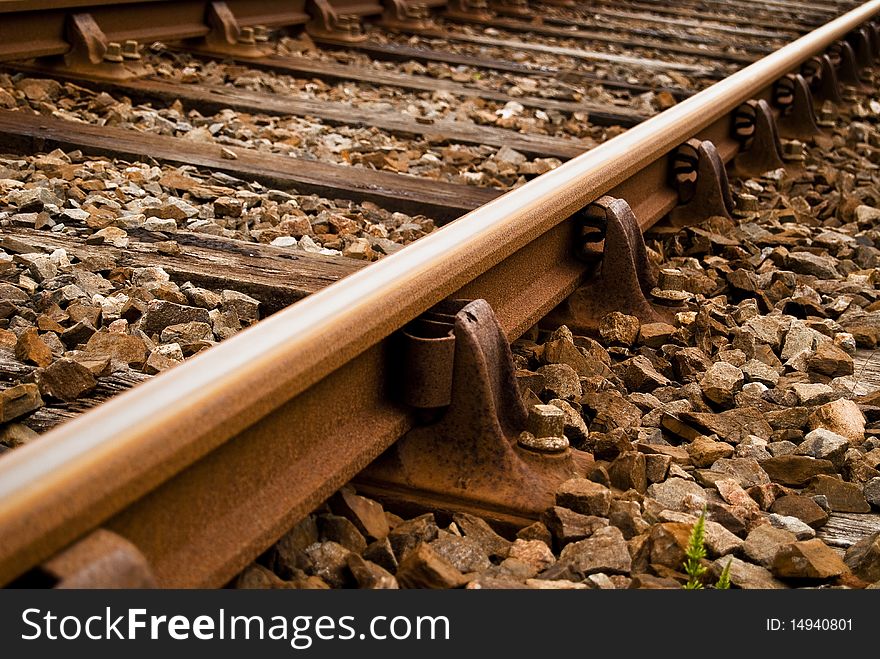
(758, 403)
(300, 137)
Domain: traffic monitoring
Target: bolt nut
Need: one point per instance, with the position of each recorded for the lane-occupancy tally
(130, 50)
(261, 33)
(746, 203)
(113, 52)
(793, 150)
(545, 430)
(246, 36)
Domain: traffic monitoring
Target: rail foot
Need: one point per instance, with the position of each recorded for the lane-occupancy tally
(473, 456)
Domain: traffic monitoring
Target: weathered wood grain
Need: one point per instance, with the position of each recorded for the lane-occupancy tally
(26, 133)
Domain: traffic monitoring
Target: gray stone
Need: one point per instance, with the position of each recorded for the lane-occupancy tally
(247, 308)
(721, 382)
(330, 562)
(160, 314)
(672, 493)
(584, 496)
(605, 551)
(745, 575)
(561, 381)
(807, 263)
(863, 558)
(618, 328)
(764, 541)
(872, 491)
(801, 530)
(575, 428)
(757, 371)
(464, 554)
(568, 526)
(824, 444)
(746, 471)
(812, 394)
(841, 416)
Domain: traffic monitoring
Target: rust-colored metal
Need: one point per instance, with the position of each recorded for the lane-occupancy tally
(517, 8)
(755, 127)
(469, 9)
(624, 278)
(278, 417)
(701, 180)
(226, 37)
(102, 559)
(821, 74)
(410, 14)
(861, 42)
(797, 118)
(39, 29)
(844, 58)
(469, 458)
(340, 20)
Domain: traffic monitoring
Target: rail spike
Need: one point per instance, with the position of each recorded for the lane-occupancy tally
(624, 279)
(755, 128)
(797, 119)
(701, 180)
(471, 456)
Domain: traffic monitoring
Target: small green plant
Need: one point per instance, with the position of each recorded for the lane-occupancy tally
(723, 582)
(695, 553)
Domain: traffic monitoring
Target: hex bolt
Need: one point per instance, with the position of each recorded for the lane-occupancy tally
(246, 36)
(793, 150)
(113, 52)
(545, 430)
(671, 279)
(130, 50)
(261, 33)
(746, 203)
(826, 115)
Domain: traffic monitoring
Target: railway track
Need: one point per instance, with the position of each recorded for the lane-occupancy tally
(369, 371)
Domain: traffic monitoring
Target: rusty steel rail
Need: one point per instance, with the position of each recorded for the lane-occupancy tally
(203, 467)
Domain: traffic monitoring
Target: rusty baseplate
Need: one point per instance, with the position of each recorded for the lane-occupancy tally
(468, 9)
(797, 118)
(483, 452)
(409, 15)
(340, 20)
(701, 180)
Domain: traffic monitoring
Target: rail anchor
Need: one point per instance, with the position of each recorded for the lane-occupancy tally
(755, 128)
(701, 180)
(625, 278)
(481, 452)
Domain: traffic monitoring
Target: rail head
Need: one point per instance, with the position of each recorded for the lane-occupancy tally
(90, 468)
